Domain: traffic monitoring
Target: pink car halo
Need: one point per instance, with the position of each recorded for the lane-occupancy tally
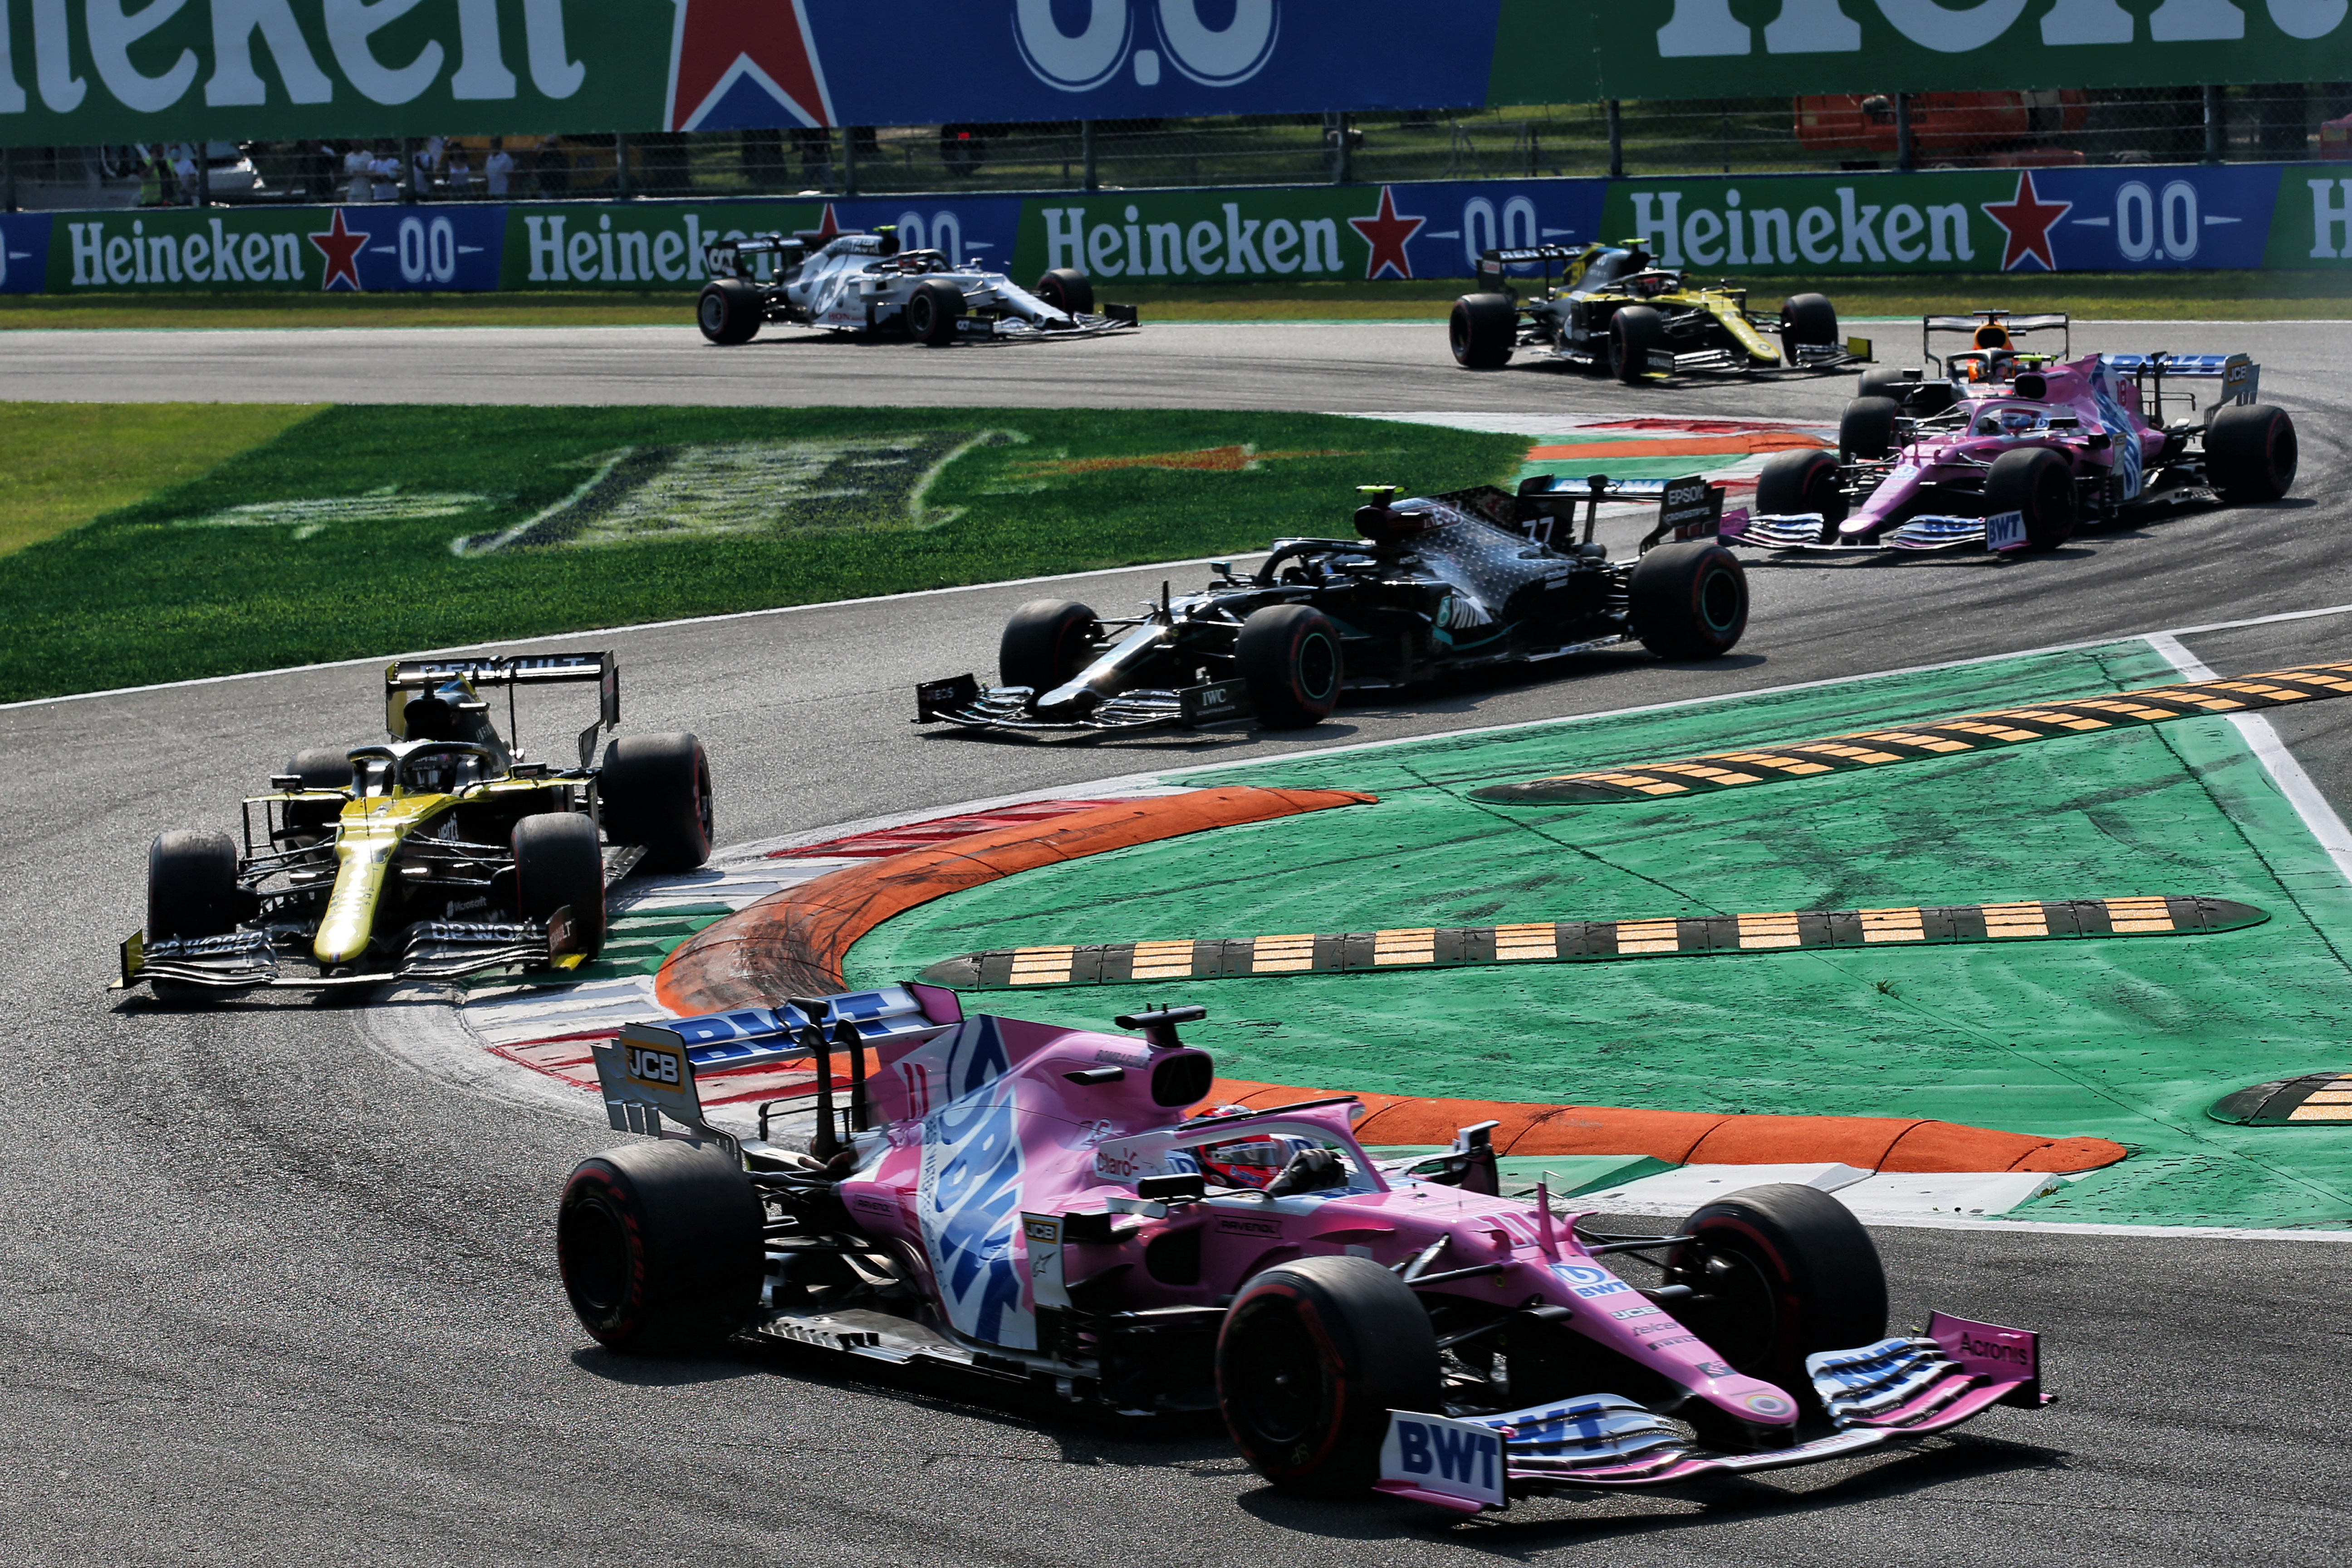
(1044, 1206)
(2013, 450)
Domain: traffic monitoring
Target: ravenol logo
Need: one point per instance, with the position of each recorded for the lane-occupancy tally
(1094, 54)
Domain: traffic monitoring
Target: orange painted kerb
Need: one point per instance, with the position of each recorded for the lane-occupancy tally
(791, 944)
(1700, 1138)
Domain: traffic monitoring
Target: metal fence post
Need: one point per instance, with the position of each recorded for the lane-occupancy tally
(1616, 140)
(1343, 161)
(2215, 139)
(8, 177)
(1086, 151)
(620, 165)
(197, 191)
(848, 161)
(1906, 155)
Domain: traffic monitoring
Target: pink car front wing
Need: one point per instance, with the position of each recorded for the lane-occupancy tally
(1895, 1390)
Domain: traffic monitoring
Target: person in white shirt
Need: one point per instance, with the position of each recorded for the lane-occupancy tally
(359, 174)
(461, 172)
(185, 166)
(424, 166)
(385, 171)
(500, 167)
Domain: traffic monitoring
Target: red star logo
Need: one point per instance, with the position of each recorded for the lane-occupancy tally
(1386, 234)
(720, 42)
(828, 229)
(2027, 218)
(340, 247)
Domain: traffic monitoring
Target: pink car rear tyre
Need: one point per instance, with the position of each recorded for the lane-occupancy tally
(659, 1247)
(2250, 452)
(1313, 1356)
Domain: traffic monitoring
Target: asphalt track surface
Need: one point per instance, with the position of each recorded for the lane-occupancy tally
(275, 1296)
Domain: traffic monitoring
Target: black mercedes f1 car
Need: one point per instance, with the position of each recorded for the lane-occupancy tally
(1439, 583)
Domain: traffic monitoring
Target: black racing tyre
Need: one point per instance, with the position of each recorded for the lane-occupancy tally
(933, 311)
(192, 891)
(729, 310)
(1800, 483)
(2250, 452)
(320, 767)
(1779, 1272)
(1867, 428)
(191, 885)
(1312, 1357)
(1928, 397)
(1883, 381)
(655, 790)
(1045, 643)
(2040, 483)
(1289, 658)
(1483, 331)
(660, 1248)
(1067, 288)
(1634, 332)
(559, 866)
(1806, 319)
(1688, 600)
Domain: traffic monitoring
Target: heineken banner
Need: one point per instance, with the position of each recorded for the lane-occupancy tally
(94, 72)
(1703, 49)
(2137, 217)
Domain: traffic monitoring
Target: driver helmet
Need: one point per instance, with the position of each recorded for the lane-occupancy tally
(1250, 1162)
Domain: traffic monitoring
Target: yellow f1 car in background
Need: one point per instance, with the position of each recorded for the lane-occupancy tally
(442, 854)
(1613, 310)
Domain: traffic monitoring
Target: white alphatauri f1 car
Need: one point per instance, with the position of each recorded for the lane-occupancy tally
(864, 283)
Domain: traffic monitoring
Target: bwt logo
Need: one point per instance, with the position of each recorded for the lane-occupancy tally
(1106, 41)
(1449, 1453)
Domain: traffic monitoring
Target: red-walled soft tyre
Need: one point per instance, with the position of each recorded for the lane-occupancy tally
(1780, 1272)
(2250, 453)
(659, 1247)
(1313, 1356)
(1689, 600)
(1289, 658)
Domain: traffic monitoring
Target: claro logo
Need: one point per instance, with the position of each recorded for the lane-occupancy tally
(1108, 39)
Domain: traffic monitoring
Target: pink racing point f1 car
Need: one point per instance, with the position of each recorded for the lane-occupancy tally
(2008, 449)
(1045, 1205)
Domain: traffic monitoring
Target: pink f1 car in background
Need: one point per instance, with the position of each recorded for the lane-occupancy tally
(1042, 1205)
(2008, 449)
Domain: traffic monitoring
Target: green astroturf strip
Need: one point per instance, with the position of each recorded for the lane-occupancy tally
(369, 530)
(2128, 1040)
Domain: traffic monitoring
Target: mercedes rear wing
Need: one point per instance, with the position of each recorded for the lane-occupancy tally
(403, 677)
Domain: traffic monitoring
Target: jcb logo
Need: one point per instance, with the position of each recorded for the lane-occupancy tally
(656, 1066)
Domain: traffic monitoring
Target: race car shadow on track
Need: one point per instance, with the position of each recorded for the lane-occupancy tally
(1729, 1501)
(1456, 693)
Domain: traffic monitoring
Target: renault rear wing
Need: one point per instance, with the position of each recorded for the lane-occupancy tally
(403, 677)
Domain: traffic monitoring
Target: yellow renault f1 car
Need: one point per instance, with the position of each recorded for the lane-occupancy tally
(441, 854)
(1613, 310)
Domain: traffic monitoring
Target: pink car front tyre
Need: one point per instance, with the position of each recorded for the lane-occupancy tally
(1313, 1356)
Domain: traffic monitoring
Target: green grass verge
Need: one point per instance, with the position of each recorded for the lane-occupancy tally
(67, 463)
(2227, 296)
(2130, 1039)
(336, 540)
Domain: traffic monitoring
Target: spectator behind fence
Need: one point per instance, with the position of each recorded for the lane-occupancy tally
(460, 168)
(359, 174)
(185, 168)
(498, 169)
(384, 174)
(424, 165)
